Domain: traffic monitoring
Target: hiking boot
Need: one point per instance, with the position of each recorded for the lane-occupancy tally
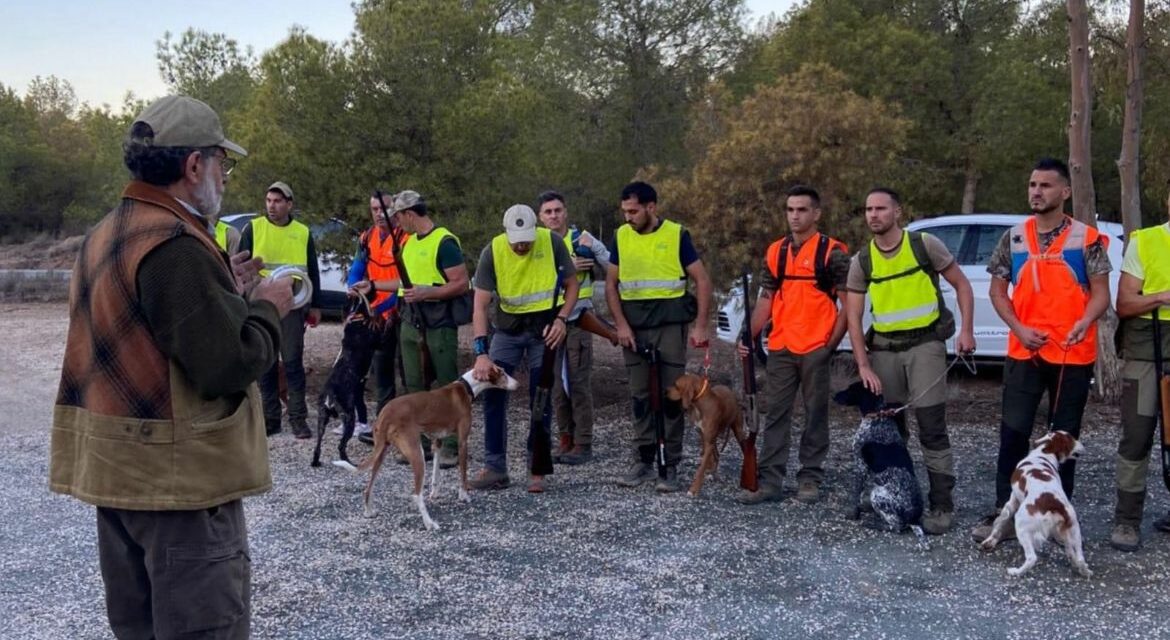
(1125, 537)
(809, 491)
(1163, 523)
(983, 529)
(580, 454)
(937, 522)
(271, 428)
(640, 472)
(766, 493)
(566, 443)
(669, 484)
(301, 431)
(536, 484)
(448, 459)
(489, 480)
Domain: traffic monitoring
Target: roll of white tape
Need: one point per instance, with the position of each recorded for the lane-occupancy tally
(301, 285)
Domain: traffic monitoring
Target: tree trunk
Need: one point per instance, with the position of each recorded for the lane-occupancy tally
(1131, 132)
(970, 183)
(1080, 155)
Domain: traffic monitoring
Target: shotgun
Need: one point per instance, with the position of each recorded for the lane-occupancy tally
(1163, 392)
(424, 353)
(654, 360)
(538, 433)
(749, 473)
(591, 322)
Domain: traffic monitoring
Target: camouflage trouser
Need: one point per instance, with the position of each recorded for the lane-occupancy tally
(1139, 397)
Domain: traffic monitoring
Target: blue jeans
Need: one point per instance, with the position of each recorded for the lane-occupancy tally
(508, 352)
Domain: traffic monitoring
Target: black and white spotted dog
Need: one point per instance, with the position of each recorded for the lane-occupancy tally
(361, 333)
(881, 460)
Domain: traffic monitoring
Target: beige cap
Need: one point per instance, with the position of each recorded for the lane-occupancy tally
(405, 200)
(520, 223)
(180, 121)
(281, 187)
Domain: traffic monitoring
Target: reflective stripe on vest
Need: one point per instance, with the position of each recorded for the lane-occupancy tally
(280, 246)
(802, 315)
(380, 264)
(1153, 247)
(649, 267)
(902, 295)
(525, 283)
(584, 278)
(420, 257)
(1050, 291)
(221, 237)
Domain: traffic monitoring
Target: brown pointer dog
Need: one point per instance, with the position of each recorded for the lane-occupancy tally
(715, 409)
(437, 413)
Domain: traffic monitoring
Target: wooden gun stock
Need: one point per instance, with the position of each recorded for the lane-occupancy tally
(591, 322)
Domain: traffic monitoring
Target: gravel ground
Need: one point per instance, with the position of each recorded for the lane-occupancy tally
(586, 559)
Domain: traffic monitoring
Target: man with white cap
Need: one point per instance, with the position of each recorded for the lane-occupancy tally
(280, 240)
(524, 268)
(157, 420)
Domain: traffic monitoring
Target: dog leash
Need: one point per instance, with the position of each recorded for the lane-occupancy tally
(1059, 382)
(969, 363)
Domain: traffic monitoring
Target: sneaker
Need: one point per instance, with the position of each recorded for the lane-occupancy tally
(1125, 537)
(766, 493)
(983, 529)
(1163, 523)
(536, 484)
(359, 429)
(669, 484)
(809, 491)
(490, 479)
(448, 459)
(640, 472)
(937, 522)
(580, 454)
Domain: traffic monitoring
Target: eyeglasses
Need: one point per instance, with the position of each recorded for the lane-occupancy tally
(227, 164)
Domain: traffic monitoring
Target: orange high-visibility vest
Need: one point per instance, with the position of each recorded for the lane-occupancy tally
(804, 308)
(1050, 291)
(380, 264)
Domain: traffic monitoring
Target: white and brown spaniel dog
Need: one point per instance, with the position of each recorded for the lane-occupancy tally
(1040, 507)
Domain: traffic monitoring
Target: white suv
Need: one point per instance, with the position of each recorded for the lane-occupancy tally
(970, 238)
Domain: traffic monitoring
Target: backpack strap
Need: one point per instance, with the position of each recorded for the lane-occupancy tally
(824, 277)
(782, 264)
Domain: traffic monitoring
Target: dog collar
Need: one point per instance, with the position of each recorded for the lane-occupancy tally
(703, 390)
(467, 385)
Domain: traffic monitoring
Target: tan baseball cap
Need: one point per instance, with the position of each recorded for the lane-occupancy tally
(405, 200)
(180, 121)
(520, 223)
(281, 187)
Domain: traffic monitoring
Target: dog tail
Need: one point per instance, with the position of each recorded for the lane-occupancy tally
(380, 444)
(921, 535)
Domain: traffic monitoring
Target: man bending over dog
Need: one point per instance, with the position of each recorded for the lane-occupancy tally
(1058, 271)
(904, 358)
(804, 277)
(158, 420)
(523, 268)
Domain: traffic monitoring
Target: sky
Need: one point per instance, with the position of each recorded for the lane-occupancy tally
(105, 48)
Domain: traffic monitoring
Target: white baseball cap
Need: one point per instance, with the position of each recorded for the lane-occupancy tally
(520, 223)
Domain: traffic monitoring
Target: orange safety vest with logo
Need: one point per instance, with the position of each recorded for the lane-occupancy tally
(1050, 291)
(380, 263)
(804, 308)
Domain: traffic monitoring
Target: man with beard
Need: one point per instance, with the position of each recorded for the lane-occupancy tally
(157, 420)
(1058, 270)
(646, 290)
(904, 355)
(279, 240)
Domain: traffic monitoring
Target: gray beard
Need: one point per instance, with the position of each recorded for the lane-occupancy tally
(207, 201)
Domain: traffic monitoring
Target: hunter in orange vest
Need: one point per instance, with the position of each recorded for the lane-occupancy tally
(804, 280)
(1057, 269)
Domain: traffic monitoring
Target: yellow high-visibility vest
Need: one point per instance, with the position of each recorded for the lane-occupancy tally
(648, 267)
(280, 246)
(525, 284)
(221, 237)
(902, 295)
(1153, 245)
(584, 278)
(420, 258)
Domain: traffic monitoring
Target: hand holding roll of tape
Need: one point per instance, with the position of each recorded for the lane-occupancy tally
(301, 285)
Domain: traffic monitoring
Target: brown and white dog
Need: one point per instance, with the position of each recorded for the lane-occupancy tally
(1040, 507)
(437, 413)
(716, 411)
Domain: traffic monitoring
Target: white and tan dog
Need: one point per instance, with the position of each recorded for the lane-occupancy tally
(437, 413)
(1040, 507)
